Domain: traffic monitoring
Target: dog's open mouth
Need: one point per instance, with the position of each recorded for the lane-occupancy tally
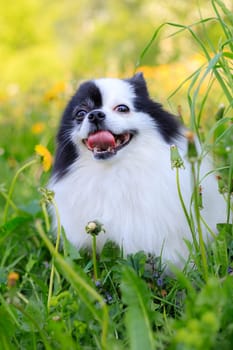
(104, 144)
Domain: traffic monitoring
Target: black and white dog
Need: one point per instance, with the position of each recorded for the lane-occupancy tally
(113, 165)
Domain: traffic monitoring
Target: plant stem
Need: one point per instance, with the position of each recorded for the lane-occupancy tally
(94, 257)
(230, 177)
(50, 292)
(11, 203)
(185, 210)
(12, 186)
(198, 221)
(46, 217)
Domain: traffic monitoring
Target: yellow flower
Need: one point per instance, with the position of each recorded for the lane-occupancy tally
(38, 128)
(55, 91)
(45, 155)
(12, 278)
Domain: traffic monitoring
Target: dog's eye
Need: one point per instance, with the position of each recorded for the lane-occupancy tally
(121, 109)
(79, 114)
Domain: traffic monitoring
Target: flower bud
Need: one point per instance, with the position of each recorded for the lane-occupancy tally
(47, 195)
(12, 279)
(176, 160)
(94, 228)
(192, 150)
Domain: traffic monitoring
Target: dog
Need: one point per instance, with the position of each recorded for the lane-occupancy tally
(112, 165)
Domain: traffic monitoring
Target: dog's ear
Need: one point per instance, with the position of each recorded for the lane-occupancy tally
(139, 84)
(138, 76)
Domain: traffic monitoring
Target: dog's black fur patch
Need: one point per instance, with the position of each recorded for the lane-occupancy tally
(168, 125)
(88, 96)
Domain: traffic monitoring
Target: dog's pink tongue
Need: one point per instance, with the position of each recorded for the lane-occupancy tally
(102, 140)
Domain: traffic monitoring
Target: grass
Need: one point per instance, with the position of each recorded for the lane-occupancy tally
(70, 299)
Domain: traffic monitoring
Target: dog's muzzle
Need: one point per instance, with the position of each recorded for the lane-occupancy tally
(104, 144)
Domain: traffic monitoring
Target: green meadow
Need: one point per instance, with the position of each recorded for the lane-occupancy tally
(53, 296)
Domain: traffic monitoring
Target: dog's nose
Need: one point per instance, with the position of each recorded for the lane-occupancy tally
(96, 116)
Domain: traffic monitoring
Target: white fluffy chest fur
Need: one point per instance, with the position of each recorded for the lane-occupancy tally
(134, 197)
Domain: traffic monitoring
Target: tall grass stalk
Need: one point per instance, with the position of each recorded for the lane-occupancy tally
(12, 187)
(217, 60)
(189, 221)
(229, 195)
(11, 203)
(198, 221)
(94, 257)
(78, 282)
(50, 292)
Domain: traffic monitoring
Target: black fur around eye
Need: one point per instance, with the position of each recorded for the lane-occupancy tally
(79, 114)
(121, 109)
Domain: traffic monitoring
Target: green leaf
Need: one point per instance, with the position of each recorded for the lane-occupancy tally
(34, 307)
(224, 229)
(228, 55)
(69, 249)
(225, 10)
(138, 261)
(138, 314)
(220, 255)
(7, 326)
(12, 225)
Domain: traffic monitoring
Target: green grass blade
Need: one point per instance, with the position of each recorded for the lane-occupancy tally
(138, 321)
(181, 29)
(144, 51)
(212, 63)
(226, 29)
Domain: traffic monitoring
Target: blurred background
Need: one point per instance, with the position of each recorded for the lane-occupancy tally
(44, 42)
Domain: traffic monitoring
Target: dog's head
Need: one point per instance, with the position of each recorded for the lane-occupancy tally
(105, 117)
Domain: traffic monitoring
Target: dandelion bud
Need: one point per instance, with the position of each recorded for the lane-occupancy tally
(91, 226)
(192, 150)
(12, 279)
(94, 228)
(47, 195)
(189, 136)
(176, 160)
